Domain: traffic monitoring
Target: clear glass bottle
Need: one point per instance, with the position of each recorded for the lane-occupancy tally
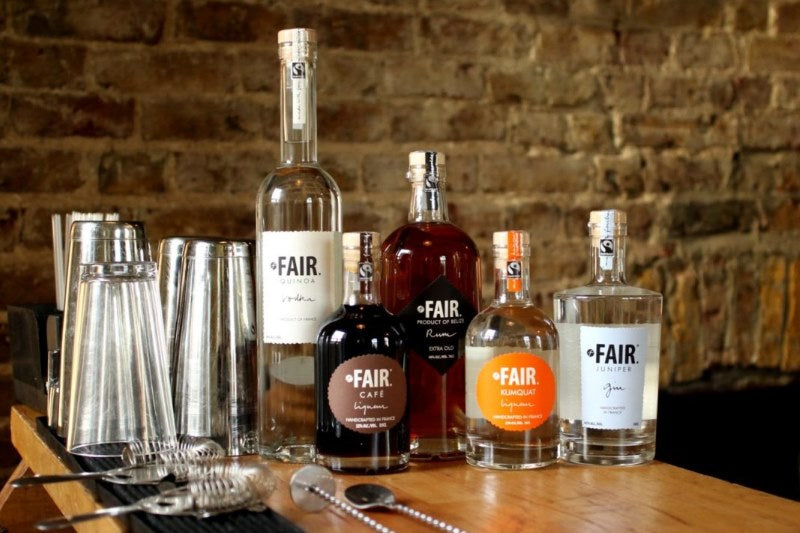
(432, 280)
(361, 373)
(298, 255)
(610, 336)
(511, 369)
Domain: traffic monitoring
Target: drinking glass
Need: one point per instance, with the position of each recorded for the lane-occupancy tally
(119, 387)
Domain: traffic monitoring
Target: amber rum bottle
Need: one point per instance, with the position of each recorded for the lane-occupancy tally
(361, 373)
(432, 280)
(298, 256)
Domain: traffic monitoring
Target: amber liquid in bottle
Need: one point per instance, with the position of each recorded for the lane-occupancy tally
(431, 262)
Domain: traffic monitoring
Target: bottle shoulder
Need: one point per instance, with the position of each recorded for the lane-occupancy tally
(307, 178)
(513, 325)
(600, 291)
(363, 319)
(428, 238)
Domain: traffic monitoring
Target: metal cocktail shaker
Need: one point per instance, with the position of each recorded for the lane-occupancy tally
(214, 371)
(170, 259)
(90, 242)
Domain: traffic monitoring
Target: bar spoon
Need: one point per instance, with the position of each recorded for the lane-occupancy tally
(371, 496)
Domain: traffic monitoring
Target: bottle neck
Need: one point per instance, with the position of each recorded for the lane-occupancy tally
(361, 283)
(298, 111)
(512, 280)
(428, 202)
(607, 259)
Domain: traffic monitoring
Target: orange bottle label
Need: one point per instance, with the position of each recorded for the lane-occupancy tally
(516, 391)
(514, 262)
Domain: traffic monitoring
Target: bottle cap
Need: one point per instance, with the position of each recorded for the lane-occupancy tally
(608, 221)
(429, 162)
(512, 244)
(359, 244)
(297, 35)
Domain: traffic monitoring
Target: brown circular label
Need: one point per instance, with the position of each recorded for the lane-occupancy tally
(367, 394)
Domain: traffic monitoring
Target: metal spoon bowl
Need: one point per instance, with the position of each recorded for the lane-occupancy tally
(372, 496)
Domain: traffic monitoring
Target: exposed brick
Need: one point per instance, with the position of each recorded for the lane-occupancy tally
(27, 170)
(791, 345)
(164, 71)
(229, 172)
(696, 218)
(462, 172)
(415, 76)
(644, 47)
(603, 13)
(576, 45)
(571, 88)
(686, 172)
(139, 173)
(385, 172)
(752, 93)
(788, 93)
(742, 331)
(544, 173)
(110, 20)
(26, 64)
(481, 217)
(713, 307)
(542, 7)
(683, 309)
(752, 15)
(787, 17)
(528, 84)
(438, 121)
(201, 118)
(705, 51)
(771, 131)
(666, 13)
(260, 71)
(233, 222)
(623, 91)
(28, 279)
(679, 91)
(542, 220)
(10, 224)
(352, 121)
(769, 54)
(540, 129)
(691, 130)
(49, 115)
(772, 296)
(589, 132)
(621, 174)
(343, 168)
(37, 229)
(782, 214)
(445, 35)
(641, 218)
(359, 216)
(348, 76)
(359, 31)
(230, 21)
(771, 172)
(563, 259)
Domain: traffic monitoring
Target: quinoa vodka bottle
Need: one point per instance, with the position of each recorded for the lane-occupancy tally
(361, 367)
(432, 280)
(610, 336)
(511, 367)
(298, 248)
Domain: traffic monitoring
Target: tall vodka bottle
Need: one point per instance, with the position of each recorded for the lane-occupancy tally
(299, 268)
(432, 280)
(511, 368)
(361, 368)
(610, 336)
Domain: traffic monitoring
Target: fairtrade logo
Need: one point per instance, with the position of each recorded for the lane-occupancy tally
(607, 246)
(514, 269)
(298, 70)
(365, 271)
(431, 181)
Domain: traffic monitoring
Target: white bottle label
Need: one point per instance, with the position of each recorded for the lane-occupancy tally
(299, 277)
(613, 360)
(299, 94)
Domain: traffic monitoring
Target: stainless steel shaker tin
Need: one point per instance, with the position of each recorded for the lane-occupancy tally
(214, 371)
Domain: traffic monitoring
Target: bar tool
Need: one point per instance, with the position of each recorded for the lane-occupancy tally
(313, 488)
(372, 496)
(237, 488)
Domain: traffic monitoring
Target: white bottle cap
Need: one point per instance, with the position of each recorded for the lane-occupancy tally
(608, 222)
(297, 35)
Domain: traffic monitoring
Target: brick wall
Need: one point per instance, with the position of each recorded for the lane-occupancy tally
(685, 113)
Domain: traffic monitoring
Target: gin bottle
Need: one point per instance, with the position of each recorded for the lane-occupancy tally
(511, 367)
(361, 367)
(432, 280)
(610, 335)
(298, 255)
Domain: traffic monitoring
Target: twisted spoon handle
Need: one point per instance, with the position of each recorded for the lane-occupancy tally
(427, 519)
(55, 478)
(349, 509)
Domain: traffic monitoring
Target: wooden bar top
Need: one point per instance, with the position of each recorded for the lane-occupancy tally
(652, 497)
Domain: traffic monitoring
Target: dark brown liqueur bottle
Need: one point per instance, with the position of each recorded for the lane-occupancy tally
(432, 280)
(361, 373)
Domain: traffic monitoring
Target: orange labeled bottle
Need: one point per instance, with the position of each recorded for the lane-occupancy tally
(511, 365)
(432, 281)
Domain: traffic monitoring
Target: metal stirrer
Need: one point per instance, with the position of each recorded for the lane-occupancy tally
(313, 488)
